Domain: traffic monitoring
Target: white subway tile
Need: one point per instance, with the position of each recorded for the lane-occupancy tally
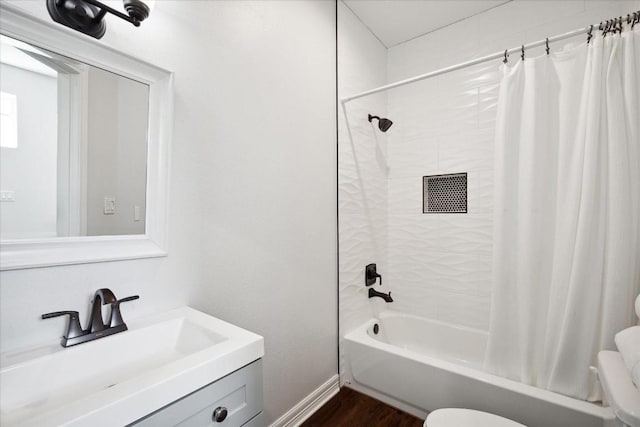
(466, 151)
(405, 195)
(466, 233)
(407, 159)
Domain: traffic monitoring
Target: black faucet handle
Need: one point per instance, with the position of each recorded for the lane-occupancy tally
(73, 328)
(115, 319)
(370, 275)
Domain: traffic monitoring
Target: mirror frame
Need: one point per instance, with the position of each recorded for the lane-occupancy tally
(31, 253)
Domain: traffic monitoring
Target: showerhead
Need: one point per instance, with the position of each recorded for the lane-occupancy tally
(383, 124)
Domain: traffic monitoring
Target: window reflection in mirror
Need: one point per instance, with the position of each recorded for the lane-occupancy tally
(73, 147)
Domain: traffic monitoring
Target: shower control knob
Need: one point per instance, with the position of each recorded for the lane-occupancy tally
(219, 414)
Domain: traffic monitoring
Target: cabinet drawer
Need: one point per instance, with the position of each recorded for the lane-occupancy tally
(240, 393)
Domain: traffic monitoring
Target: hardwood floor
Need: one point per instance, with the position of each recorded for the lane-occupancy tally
(353, 409)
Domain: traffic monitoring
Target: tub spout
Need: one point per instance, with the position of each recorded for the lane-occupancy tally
(373, 293)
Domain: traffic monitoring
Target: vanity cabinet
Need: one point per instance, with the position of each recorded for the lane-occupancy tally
(239, 394)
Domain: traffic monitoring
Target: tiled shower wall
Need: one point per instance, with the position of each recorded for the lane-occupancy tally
(362, 170)
(439, 265)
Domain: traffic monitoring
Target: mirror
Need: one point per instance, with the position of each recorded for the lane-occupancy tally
(84, 156)
(73, 147)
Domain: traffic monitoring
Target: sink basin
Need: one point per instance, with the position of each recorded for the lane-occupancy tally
(121, 378)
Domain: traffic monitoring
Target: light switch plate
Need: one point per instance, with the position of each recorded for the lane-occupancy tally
(7, 196)
(109, 205)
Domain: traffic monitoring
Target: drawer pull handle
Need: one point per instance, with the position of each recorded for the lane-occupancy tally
(219, 414)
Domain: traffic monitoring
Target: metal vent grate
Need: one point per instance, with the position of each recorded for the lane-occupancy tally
(445, 193)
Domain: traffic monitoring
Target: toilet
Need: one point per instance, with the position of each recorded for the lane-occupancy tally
(620, 393)
(458, 417)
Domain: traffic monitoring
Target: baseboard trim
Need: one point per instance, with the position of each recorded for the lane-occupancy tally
(307, 406)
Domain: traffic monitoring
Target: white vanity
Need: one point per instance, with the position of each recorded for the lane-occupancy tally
(181, 367)
(235, 400)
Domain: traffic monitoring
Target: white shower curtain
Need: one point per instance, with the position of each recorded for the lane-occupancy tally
(567, 213)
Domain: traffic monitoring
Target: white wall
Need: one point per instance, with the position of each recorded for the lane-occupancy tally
(253, 189)
(133, 119)
(440, 265)
(269, 187)
(362, 172)
(117, 116)
(30, 169)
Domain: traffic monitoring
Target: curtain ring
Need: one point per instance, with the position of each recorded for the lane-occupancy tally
(506, 55)
(522, 54)
(547, 45)
(600, 27)
(589, 34)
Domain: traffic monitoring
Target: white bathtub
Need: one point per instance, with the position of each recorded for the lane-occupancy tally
(421, 365)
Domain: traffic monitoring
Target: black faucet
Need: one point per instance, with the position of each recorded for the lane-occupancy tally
(101, 297)
(386, 297)
(97, 327)
(370, 275)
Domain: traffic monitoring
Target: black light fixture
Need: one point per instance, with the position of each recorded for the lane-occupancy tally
(87, 16)
(383, 124)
